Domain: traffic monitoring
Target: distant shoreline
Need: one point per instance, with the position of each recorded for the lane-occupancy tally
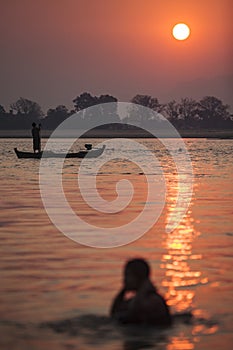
(212, 134)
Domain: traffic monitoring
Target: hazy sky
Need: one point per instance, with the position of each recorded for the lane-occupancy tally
(53, 50)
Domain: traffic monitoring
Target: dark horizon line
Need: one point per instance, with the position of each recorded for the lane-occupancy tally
(100, 134)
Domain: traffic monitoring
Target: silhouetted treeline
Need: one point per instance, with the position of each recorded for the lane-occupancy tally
(208, 113)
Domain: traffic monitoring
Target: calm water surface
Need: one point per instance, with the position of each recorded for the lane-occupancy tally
(55, 293)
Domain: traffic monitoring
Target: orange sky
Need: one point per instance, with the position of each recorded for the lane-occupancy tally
(52, 50)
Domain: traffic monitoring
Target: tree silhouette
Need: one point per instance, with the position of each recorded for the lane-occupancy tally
(84, 101)
(208, 113)
(147, 118)
(213, 112)
(90, 116)
(172, 110)
(22, 113)
(188, 112)
(55, 116)
(2, 110)
(147, 101)
(27, 107)
(108, 114)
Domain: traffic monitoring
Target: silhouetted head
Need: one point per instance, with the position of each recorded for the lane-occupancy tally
(136, 272)
(33, 124)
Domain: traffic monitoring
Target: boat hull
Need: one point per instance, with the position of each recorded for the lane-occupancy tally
(49, 154)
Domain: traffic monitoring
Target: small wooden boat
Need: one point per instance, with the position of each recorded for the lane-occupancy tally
(93, 153)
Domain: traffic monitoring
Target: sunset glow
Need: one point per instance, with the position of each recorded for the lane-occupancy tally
(116, 47)
(116, 158)
(181, 31)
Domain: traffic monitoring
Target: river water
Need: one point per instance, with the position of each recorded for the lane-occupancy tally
(55, 293)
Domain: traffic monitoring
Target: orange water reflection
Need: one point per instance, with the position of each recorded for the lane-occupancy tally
(180, 343)
(182, 272)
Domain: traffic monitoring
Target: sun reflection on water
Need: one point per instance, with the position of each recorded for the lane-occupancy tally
(181, 276)
(180, 343)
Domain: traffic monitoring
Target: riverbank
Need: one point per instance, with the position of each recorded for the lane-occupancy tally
(140, 133)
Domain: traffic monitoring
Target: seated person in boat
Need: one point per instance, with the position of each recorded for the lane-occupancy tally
(36, 137)
(139, 302)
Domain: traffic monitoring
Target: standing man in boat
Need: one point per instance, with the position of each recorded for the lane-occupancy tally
(36, 137)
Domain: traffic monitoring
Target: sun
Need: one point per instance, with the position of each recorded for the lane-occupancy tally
(181, 31)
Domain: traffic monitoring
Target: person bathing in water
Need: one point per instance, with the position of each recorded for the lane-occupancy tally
(139, 302)
(36, 137)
